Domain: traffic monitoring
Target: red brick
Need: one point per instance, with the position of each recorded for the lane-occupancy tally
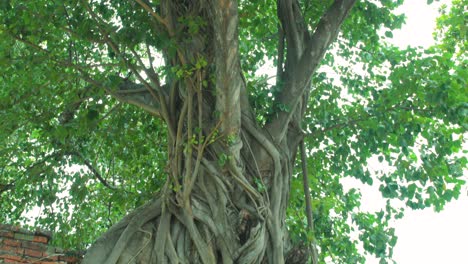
(32, 245)
(19, 245)
(13, 261)
(42, 232)
(6, 248)
(11, 257)
(22, 236)
(12, 249)
(41, 239)
(11, 242)
(33, 253)
(4, 233)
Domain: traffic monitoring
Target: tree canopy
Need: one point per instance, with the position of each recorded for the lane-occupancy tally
(93, 94)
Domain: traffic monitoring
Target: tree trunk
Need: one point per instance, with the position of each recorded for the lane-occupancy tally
(234, 214)
(226, 193)
(228, 178)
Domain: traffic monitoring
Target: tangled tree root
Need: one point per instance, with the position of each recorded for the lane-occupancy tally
(211, 230)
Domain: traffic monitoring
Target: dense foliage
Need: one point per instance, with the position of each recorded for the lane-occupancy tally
(84, 158)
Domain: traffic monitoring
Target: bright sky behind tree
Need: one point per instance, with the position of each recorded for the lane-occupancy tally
(425, 236)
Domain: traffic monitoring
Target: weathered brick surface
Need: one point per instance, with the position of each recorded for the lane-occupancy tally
(40, 239)
(19, 245)
(32, 245)
(11, 257)
(11, 242)
(33, 253)
(5, 233)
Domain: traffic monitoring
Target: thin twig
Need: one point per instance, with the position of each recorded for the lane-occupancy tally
(95, 172)
(155, 15)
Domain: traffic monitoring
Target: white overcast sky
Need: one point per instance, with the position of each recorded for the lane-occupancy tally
(425, 237)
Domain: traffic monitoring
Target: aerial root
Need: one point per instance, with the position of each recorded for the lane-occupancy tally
(219, 225)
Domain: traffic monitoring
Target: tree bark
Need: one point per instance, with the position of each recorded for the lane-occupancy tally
(227, 187)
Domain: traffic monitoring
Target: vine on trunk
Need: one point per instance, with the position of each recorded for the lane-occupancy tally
(228, 181)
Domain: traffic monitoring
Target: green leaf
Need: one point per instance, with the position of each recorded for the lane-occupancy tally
(366, 99)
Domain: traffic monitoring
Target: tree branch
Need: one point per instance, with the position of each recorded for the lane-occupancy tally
(93, 170)
(294, 28)
(155, 15)
(138, 95)
(156, 93)
(299, 74)
(6, 187)
(129, 92)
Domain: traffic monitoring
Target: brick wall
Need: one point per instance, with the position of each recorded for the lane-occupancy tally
(18, 245)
